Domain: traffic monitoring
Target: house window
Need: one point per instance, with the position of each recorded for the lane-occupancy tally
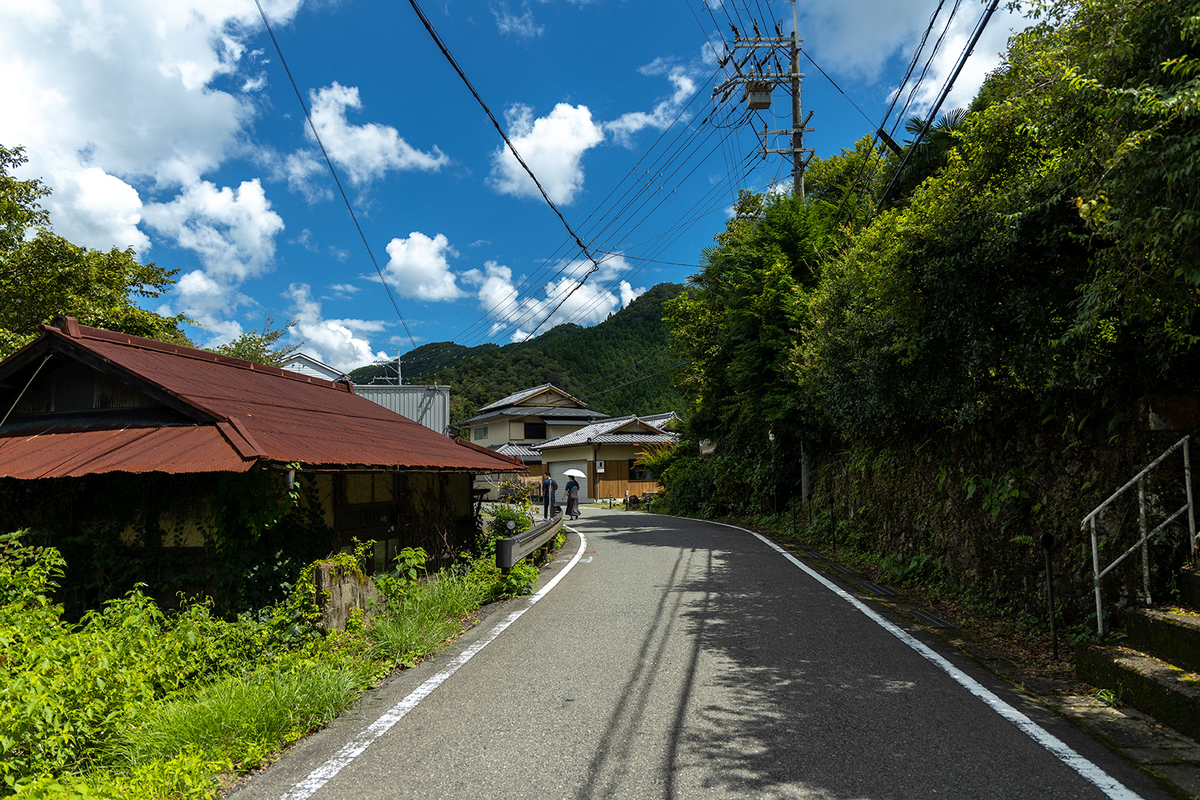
(535, 430)
(481, 433)
(637, 472)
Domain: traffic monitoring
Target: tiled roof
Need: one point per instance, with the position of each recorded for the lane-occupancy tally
(634, 438)
(545, 412)
(525, 394)
(231, 414)
(608, 431)
(524, 452)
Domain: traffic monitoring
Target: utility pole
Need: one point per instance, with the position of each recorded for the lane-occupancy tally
(758, 85)
(387, 379)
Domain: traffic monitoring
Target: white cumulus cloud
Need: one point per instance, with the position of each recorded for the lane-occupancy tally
(232, 230)
(212, 302)
(419, 267)
(566, 298)
(840, 42)
(342, 343)
(94, 209)
(114, 98)
(665, 112)
(367, 151)
(552, 146)
(521, 25)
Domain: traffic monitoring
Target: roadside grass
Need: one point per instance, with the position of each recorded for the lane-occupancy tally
(242, 718)
(423, 620)
(135, 703)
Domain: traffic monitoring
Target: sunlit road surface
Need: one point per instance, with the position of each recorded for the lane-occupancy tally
(682, 659)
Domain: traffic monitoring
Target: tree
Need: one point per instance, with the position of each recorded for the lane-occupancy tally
(1053, 250)
(43, 276)
(928, 153)
(261, 345)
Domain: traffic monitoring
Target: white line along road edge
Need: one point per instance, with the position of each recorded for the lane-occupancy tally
(1089, 771)
(358, 745)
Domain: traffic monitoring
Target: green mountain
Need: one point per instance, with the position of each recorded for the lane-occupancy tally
(620, 366)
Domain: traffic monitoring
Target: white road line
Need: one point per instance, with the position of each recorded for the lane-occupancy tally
(358, 745)
(1089, 771)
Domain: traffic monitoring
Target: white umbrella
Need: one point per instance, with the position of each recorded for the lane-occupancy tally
(574, 473)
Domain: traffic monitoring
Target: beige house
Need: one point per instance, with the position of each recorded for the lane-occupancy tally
(606, 452)
(515, 425)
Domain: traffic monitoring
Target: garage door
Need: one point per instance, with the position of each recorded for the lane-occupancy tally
(556, 471)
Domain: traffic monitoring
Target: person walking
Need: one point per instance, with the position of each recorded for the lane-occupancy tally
(549, 486)
(573, 498)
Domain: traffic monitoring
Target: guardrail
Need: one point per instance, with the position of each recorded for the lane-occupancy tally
(1139, 481)
(514, 548)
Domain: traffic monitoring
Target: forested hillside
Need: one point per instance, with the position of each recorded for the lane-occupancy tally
(620, 366)
(968, 351)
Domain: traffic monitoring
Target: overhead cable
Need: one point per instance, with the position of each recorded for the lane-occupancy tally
(962, 60)
(313, 129)
(496, 123)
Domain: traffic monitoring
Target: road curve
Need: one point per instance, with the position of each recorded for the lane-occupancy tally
(682, 659)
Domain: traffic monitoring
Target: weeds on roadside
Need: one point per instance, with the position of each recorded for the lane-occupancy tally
(243, 718)
(135, 703)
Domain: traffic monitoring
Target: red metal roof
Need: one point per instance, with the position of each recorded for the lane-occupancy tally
(259, 413)
(197, 448)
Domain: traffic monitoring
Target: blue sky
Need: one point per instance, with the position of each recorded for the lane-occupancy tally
(171, 126)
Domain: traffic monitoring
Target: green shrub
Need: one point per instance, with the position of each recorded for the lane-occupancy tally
(137, 702)
(921, 569)
(520, 515)
(422, 621)
(405, 578)
(190, 776)
(520, 580)
(244, 718)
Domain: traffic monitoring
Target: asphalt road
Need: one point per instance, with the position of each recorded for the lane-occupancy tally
(682, 659)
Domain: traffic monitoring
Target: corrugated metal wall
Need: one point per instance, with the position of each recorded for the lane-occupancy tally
(428, 405)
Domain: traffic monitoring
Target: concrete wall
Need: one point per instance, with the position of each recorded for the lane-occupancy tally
(340, 594)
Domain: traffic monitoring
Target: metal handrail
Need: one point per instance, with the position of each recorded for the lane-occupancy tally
(514, 548)
(1143, 543)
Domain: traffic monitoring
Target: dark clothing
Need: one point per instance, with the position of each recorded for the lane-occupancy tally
(549, 485)
(573, 499)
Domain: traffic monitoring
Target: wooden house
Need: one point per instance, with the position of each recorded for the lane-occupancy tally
(115, 441)
(606, 452)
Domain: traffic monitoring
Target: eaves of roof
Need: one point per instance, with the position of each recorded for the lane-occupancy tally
(525, 394)
(255, 413)
(543, 412)
(609, 428)
(205, 448)
(634, 438)
(523, 452)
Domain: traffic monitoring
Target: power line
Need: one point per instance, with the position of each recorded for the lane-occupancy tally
(496, 123)
(866, 173)
(912, 92)
(332, 171)
(962, 60)
(502, 314)
(643, 378)
(834, 83)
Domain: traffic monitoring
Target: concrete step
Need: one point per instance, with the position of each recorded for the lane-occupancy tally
(1169, 694)
(1169, 633)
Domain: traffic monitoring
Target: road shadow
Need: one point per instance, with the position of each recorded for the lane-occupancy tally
(813, 699)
